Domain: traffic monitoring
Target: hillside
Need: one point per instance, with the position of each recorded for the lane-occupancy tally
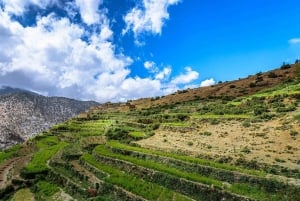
(24, 114)
(232, 141)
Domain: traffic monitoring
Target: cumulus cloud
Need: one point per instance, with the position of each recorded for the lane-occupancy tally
(150, 17)
(164, 74)
(294, 41)
(208, 82)
(189, 76)
(53, 56)
(57, 57)
(149, 65)
(89, 10)
(18, 7)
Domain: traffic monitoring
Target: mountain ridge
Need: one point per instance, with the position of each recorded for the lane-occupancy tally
(24, 114)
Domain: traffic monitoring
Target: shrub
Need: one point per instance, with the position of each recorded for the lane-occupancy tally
(297, 117)
(285, 66)
(117, 134)
(246, 124)
(294, 133)
(252, 85)
(260, 110)
(190, 143)
(246, 150)
(259, 79)
(206, 133)
(272, 75)
(214, 122)
(182, 117)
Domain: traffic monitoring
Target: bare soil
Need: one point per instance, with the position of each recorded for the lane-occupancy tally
(267, 142)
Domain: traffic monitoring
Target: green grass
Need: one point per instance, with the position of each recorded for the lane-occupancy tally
(138, 186)
(23, 195)
(47, 147)
(176, 124)
(225, 116)
(249, 190)
(44, 190)
(255, 192)
(137, 134)
(293, 88)
(185, 158)
(9, 153)
(105, 151)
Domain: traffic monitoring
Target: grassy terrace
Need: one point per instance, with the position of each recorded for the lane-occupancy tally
(148, 190)
(185, 158)
(280, 90)
(47, 147)
(225, 116)
(9, 153)
(252, 191)
(137, 134)
(105, 151)
(83, 128)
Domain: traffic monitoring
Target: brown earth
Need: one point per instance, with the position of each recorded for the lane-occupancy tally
(267, 142)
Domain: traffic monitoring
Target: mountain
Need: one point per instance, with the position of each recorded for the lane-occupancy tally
(236, 140)
(9, 90)
(24, 114)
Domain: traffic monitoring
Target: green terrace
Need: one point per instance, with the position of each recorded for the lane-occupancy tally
(130, 182)
(260, 191)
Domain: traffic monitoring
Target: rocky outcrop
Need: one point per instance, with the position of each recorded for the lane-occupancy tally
(24, 114)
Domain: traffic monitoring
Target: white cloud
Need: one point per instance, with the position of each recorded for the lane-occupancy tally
(18, 7)
(149, 18)
(52, 57)
(164, 74)
(89, 10)
(186, 78)
(149, 65)
(137, 87)
(294, 41)
(208, 82)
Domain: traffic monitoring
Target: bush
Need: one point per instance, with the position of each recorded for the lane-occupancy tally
(246, 150)
(260, 110)
(294, 133)
(117, 134)
(206, 133)
(285, 66)
(252, 85)
(190, 143)
(297, 117)
(272, 75)
(246, 124)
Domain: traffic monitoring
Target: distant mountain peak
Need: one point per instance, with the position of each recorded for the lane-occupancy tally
(25, 113)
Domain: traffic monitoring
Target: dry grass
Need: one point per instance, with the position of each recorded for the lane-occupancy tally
(265, 142)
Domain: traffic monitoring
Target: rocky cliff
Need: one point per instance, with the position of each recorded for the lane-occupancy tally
(24, 114)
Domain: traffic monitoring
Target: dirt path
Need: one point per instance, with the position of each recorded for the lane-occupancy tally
(11, 168)
(92, 178)
(6, 170)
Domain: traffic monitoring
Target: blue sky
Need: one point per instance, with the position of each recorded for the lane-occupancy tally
(120, 50)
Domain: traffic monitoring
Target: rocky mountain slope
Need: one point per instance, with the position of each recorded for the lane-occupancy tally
(24, 114)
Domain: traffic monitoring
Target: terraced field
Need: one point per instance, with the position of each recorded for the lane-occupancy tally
(244, 148)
